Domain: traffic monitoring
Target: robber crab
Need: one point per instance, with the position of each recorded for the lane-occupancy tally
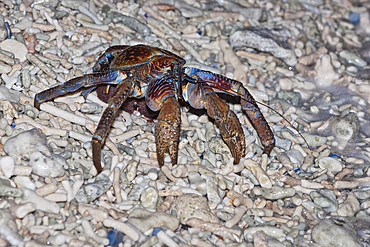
(161, 78)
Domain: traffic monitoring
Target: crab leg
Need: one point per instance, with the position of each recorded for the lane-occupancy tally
(123, 90)
(161, 96)
(230, 127)
(110, 77)
(103, 63)
(223, 84)
(104, 60)
(200, 95)
(167, 130)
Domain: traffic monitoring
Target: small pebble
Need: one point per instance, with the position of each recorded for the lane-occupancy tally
(256, 39)
(89, 192)
(21, 146)
(7, 166)
(40, 202)
(45, 166)
(276, 192)
(24, 182)
(145, 220)
(330, 163)
(325, 77)
(352, 58)
(17, 48)
(346, 127)
(330, 232)
(7, 190)
(271, 231)
(22, 210)
(190, 205)
(326, 199)
(149, 198)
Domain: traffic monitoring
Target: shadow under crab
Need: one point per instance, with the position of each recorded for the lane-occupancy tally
(130, 104)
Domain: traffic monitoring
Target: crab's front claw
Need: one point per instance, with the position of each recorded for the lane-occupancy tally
(228, 123)
(167, 130)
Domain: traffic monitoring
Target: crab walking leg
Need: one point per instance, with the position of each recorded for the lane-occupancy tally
(257, 119)
(103, 64)
(110, 77)
(123, 90)
(161, 96)
(200, 95)
(260, 125)
(167, 130)
(223, 84)
(230, 127)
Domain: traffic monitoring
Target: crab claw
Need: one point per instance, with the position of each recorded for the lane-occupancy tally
(230, 127)
(167, 130)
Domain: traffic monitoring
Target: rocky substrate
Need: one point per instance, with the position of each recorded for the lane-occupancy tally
(306, 60)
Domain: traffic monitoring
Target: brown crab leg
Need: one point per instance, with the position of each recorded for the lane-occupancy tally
(161, 96)
(167, 130)
(257, 119)
(123, 90)
(200, 95)
(230, 127)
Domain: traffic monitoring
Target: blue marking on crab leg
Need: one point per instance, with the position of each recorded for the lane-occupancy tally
(111, 77)
(86, 91)
(104, 61)
(219, 83)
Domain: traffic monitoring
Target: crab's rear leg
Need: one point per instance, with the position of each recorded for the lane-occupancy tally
(123, 90)
(109, 77)
(223, 84)
(161, 96)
